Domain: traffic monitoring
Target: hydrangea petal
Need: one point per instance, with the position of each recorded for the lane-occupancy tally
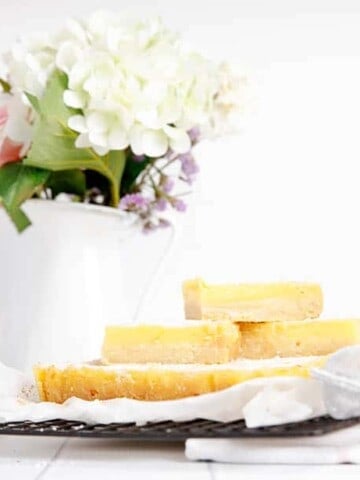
(83, 141)
(74, 99)
(136, 137)
(76, 30)
(77, 123)
(98, 139)
(179, 140)
(155, 91)
(100, 150)
(170, 110)
(79, 74)
(153, 143)
(118, 139)
(67, 56)
(97, 122)
(149, 118)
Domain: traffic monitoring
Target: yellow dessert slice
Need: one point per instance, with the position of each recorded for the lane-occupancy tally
(309, 337)
(251, 302)
(200, 342)
(159, 382)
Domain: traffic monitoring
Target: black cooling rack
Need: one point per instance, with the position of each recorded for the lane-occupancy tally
(171, 431)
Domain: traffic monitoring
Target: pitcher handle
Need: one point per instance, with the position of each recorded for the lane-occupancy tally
(153, 282)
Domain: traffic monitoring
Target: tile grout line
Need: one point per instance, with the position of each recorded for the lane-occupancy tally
(52, 460)
(210, 469)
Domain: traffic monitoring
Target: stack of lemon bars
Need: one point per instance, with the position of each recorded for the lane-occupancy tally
(232, 333)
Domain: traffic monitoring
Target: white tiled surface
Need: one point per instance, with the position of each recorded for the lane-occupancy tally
(285, 472)
(27, 458)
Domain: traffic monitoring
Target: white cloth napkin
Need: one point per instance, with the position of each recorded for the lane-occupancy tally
(341, 395)
(333, 448)
(262, 401)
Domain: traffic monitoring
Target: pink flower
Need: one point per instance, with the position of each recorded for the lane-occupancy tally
(15, 128)
(3, 116)
(9, 151)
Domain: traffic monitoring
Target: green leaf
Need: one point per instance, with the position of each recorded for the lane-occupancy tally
(19, 218)
(53, 146)
(18, 183)
(5, 86)
(116, 161)
(34, 102)
(67, 181)
(132, 171)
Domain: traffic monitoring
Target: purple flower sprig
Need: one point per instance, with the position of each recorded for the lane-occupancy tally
(154, 191)
(161, 204)
(133, 202)
(189, 168)
(167, 184)
(194, 135)
(179, 205)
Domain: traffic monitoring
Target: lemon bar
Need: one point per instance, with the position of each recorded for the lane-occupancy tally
(200, 342)
(251, 302)
(159, 382)
(291, 339)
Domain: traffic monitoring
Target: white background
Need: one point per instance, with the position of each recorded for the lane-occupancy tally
(281, 200)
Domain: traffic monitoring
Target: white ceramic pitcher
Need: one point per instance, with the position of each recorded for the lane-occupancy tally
(60, 282)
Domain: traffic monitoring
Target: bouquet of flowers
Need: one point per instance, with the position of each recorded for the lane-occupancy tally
(108, 110)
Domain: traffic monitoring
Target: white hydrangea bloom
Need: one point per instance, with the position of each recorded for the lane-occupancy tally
(31, 60)
(132, 82)
(230, 103)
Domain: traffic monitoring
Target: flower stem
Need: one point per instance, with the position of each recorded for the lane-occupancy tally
(114, 194)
